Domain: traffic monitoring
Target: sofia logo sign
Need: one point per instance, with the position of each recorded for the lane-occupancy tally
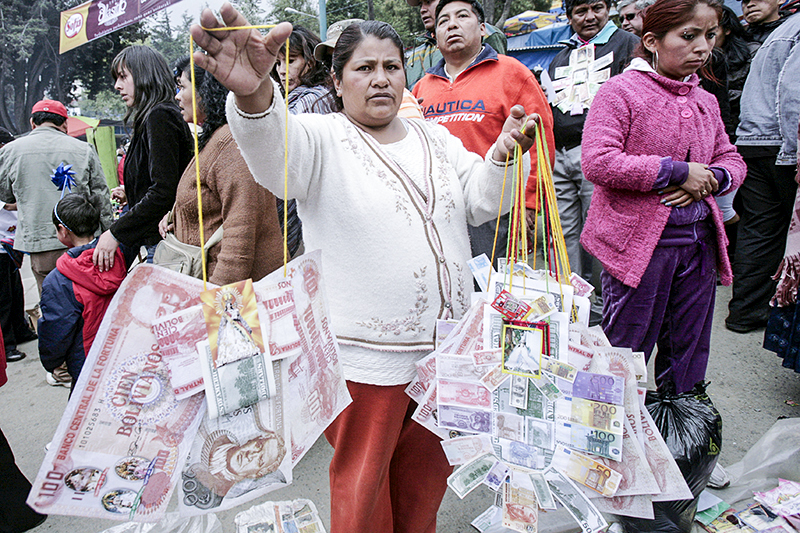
(96, 18)
(73, 25)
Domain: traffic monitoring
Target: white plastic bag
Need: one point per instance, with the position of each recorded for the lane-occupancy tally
(775, 455)
(172, 523)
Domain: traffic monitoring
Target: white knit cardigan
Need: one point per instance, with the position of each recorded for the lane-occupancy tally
(394, 254)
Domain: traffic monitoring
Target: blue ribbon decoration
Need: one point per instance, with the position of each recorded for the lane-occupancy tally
(63, 177)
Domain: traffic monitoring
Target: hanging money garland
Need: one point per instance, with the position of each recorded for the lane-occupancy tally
(577, 83)
(531, 402)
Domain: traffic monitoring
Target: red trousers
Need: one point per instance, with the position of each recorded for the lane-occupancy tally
(388, 473)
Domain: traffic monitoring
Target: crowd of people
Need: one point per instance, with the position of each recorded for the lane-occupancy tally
(673, 144)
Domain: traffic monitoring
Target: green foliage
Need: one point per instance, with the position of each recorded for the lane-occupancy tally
(31, 67)
(171, 41)
(519, 6)
(251, 9)
(404, 18)
(279, 14)
(104, 104)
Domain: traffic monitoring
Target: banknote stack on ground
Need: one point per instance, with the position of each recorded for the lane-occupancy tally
(151, 412)
(541, 409)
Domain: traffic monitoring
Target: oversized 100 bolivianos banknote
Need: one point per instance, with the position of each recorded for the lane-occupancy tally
(312, 379)
(120, 446)
(123, 443)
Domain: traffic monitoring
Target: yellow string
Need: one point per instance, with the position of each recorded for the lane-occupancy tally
(497, 224)
(197, 151)
(197, 163)
(560, 260)
(286, 168)
(517, 228)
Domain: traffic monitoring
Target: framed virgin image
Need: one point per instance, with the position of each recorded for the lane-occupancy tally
(523, 347)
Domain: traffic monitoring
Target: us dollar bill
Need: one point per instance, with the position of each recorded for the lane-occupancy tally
(470, 475)
(542, 491)
(236, 385)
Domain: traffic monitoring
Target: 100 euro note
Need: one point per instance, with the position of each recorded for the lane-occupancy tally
(619, 362)
(122, 441)
(315, 382)
(238, 457)
(637, 476)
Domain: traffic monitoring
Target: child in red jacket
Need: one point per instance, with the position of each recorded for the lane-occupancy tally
(76, 294)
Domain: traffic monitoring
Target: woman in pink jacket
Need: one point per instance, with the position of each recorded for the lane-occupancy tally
(656, 149)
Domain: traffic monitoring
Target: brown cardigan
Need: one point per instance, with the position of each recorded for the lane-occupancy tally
(252, 243)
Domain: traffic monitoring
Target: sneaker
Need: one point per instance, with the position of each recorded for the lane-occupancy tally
(52, 380)
(14, 355)
(719, 478)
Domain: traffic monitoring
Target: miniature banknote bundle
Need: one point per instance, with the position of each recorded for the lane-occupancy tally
(185, 388)
(534, 404)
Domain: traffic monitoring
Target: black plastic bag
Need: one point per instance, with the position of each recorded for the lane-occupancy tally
(692, 429)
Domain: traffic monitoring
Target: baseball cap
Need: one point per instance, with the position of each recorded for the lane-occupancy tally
(50, 106)
(414, 3)
(326, 47)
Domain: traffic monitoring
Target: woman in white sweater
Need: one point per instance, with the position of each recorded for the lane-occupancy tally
(387, 200)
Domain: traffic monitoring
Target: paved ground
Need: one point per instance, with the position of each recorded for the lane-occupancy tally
(748, 386)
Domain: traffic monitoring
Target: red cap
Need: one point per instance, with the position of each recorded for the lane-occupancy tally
(50, 106)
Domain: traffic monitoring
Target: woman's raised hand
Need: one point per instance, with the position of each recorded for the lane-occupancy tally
(511, 133)
(240, 59)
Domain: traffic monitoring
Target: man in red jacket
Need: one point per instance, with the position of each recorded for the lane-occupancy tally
(471, 92)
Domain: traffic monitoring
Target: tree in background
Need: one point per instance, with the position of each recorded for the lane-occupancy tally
(31, 67)
(170, 39)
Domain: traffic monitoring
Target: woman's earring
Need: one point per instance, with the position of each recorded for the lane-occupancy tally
(654, 61)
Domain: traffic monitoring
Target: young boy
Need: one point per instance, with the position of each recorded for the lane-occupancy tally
(75, 295)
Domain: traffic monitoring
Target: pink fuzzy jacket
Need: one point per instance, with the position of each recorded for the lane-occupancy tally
(636, 119)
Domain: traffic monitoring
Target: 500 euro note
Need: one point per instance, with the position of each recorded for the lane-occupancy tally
(314, 379)
(119, 448)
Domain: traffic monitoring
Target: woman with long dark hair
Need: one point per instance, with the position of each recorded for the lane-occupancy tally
(252, 243)
(656, 149)
(159, 151)
(309, 79)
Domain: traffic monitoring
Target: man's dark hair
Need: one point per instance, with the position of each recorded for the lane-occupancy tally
(5, 136)
(476, 6)
(569, 5)
(40, 117)
(79, 213)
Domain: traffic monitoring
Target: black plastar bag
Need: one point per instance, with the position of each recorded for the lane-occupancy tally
(692, 429)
